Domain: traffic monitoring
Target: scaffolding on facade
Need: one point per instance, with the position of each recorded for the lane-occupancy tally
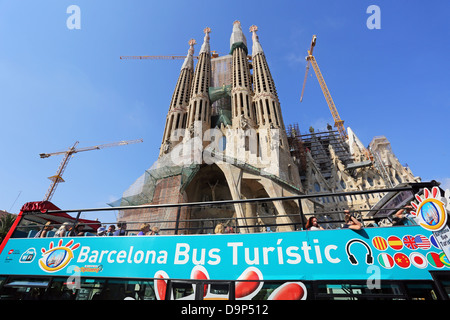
(317, 143)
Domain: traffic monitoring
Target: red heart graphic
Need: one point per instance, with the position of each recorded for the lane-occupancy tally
(200, 275)
(161, 287)
(243, 289)
(289, 291)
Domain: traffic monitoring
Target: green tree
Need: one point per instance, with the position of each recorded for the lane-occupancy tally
(6, 222)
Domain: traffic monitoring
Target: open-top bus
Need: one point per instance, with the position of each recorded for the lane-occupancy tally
(373, 263)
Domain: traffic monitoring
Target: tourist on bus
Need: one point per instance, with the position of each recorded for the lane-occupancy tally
(145, 228)
(219, 228)
(101, 232)
(44, 231)
(401, 216)
(312, 224)
(122, 231)
(155, 231)
(63, 230)
(351, 222)
(78, 231)
(111, 230)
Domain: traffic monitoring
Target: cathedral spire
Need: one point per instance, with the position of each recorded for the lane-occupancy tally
(242, 111)
(237, 38)
(199, 109)
(205, 46)
(176, 117)
(256, 48)
(189, 61)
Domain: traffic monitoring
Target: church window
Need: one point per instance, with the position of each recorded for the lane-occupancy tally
(316, 187)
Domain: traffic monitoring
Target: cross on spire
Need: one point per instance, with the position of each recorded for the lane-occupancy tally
(191, 43)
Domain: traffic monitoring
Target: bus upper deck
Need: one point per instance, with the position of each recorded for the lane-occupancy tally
(190, 261)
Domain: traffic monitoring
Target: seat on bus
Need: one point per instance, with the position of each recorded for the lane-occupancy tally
(50, 234)
(32, 233)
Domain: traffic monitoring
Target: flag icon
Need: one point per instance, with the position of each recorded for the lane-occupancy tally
(434, 241)
(409, 242)
(402, 260)
(444, 259)
(434, 259)
(422, 242)
(418, 260)
(385, 260)
(395, 242)
(379, 243)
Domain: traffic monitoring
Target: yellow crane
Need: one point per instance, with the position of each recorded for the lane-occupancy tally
(153, 57)
(214, 54)
(57, 178)
(338, 123)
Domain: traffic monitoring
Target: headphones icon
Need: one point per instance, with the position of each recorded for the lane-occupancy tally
(351, 257)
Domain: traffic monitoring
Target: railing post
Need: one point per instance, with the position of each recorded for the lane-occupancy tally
(302, 217)
(178, 220)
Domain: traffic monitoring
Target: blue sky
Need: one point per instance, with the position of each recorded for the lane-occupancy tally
(59, 85)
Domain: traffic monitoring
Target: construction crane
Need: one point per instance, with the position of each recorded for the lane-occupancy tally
(214, 54)
(57, 178)
(154, 57)
(338, 123)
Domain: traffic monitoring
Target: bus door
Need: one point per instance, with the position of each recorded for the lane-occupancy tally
(442, 281)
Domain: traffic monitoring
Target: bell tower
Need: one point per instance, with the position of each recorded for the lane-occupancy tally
(199, 110)
(243, 114)
(177, 115)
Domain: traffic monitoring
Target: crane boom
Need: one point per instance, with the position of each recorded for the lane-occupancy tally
(338, 123)
(57, 178)
(154, 57)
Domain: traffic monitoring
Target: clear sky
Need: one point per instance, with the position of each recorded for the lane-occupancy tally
(61, 85)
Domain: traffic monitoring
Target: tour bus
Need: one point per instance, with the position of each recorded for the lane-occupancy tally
(379, 261)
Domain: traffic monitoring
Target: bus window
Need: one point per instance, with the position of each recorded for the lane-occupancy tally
(266, 290)
(446, 286)
(2, 279)
(23, 288)
(420, 291)
(213, 290)
(442, 281)
(91, 289)
(130, 289)
(59, 290)
(281, 290)
(182, 290)
(219, 288)
(358, 291)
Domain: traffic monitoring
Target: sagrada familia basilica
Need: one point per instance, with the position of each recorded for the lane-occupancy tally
(225, 139)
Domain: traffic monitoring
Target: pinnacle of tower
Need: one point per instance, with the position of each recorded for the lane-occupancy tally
(237, 38)
(189, 60)
(205, 46)
(256, 48)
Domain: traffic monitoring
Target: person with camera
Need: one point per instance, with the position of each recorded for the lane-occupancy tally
(351, 222)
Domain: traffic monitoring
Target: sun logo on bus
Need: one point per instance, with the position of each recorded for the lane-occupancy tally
(430, 210)
(56, 258)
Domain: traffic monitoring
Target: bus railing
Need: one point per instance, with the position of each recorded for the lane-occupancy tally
(261, 222)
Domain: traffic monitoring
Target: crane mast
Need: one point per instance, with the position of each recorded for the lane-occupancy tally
(57, 178)
(338, 123)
